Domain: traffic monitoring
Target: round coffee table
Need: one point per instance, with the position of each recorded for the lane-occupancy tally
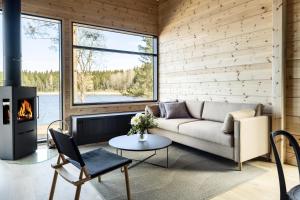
(132, 143)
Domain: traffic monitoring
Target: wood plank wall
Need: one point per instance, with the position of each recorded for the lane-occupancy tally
(293, 74)
(278, 74)
(216, 50)
(131, 15)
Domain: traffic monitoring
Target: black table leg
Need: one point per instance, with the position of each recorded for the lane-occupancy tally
(145, 159)
(167, 157)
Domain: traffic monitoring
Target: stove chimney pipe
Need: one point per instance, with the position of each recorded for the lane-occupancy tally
(12, 42)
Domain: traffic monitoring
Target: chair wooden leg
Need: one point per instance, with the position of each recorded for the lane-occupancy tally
(53, 185)
(127, 182)
(77, 195)
(240, 166)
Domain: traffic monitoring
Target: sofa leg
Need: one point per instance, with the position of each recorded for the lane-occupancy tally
(240, 166)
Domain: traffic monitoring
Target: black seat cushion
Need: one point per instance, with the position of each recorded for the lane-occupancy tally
(294, 193)
(100, 161)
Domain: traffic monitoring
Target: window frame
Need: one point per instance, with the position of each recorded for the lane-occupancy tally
(61, 62)
(154, 55)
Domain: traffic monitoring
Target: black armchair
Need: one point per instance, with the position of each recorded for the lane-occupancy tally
(91, 164)
(294, 193)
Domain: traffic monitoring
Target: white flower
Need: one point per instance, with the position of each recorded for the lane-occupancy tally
(135, 120)
(140, 115)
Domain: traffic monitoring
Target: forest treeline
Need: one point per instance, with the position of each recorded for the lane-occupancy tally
(47, 81)
(134, 82)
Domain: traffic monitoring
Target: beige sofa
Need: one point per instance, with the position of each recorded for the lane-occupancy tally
(204, 130)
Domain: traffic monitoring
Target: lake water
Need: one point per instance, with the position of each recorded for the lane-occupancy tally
(50, 111)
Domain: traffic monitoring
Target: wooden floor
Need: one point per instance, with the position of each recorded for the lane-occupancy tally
(33, 182)
(265, 187)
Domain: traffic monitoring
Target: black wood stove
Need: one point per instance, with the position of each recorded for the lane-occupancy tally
(18, 109)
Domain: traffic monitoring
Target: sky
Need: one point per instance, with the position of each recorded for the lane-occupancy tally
(37, 54)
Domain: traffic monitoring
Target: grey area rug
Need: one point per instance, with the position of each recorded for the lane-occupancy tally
(192, 174)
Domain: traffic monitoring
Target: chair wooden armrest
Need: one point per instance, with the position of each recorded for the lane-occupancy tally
(88, 165)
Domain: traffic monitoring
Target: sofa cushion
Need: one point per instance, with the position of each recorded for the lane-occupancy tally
(172, 124)
(176, 110)
(216, 111)
(206, 130)
(195, 108)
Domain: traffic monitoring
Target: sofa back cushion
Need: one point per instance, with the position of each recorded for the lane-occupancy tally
(195, 108)
(217, 111)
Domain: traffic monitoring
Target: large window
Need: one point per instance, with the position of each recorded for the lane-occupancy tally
(40, 65)
(112, 66)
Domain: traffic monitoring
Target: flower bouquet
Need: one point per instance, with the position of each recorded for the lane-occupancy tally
(140, 124)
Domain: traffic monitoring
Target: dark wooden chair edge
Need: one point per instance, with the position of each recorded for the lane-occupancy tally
(80, 179)
(84, 176)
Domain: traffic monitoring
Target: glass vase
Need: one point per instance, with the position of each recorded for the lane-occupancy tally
(143, 136)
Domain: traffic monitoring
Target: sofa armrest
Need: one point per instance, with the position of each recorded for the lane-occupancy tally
(251, 138)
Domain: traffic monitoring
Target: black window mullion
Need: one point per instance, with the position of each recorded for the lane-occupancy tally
(112, 50)
(154, 44)
(155, 77)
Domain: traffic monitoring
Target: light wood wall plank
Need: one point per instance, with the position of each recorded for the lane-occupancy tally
(216, 50)
(293, 75)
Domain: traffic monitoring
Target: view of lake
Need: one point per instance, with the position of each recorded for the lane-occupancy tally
(49, 104)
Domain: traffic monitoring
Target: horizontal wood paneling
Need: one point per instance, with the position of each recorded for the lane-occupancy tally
(293, 75)
(293, 88)
(216, 50)
(293, 69)
(293, 124)
(293, 106)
